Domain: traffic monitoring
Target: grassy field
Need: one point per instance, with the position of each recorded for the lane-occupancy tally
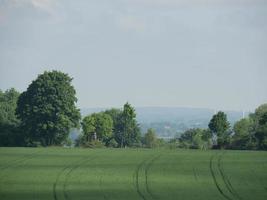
(76, 174)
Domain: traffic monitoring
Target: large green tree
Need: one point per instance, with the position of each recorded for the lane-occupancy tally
(47, 108)
(220, 126)
(9, 132)
(130, 133)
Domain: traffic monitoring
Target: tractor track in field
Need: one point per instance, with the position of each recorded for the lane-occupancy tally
(56, 182)
(68, 170)
(136, 177)
(252, 171)
(195, 174)
(224, 178)
(17, 162)
(65, 191)
(100, 185)
(215, 179)
(147, 167)
(147, 164)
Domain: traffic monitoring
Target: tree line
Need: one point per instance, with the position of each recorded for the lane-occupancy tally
(45, 113)
(248, 133)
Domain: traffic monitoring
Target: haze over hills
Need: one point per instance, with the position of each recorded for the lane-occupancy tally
(172, 121)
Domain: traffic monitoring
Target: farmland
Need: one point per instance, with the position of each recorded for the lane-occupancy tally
(67, 174)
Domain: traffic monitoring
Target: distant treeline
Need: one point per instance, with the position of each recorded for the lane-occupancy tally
(44, 114)
(248, 133)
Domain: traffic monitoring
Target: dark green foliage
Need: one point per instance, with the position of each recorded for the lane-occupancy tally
(112, 143)
(261, 135)
(93, 144)
(219, 123)
(10, 134)
(220, 126)
(47, 109)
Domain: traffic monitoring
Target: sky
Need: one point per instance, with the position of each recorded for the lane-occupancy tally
(174, 53)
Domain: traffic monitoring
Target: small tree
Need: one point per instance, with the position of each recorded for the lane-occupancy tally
(88, 126)
(195, 139)
(104, 126)
(100, 124)
(150, 138)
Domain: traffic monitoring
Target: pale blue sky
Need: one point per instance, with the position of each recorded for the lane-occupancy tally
(194, 53)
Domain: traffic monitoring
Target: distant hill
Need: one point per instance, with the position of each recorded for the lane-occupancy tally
(171, 121)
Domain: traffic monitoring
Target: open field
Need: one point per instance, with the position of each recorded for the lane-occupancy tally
(68, 174)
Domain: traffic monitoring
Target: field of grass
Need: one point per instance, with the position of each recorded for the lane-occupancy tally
(124, 174)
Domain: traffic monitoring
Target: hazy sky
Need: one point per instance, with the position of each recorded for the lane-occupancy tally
(194, 53)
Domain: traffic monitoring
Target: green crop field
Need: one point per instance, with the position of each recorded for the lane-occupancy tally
(59, 173)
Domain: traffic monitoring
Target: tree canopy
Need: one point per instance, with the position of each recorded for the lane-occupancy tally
(243, 137)
(100, 124)
(47, 108)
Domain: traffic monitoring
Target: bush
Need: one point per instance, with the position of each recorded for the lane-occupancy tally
(112, 143)
(93, 144)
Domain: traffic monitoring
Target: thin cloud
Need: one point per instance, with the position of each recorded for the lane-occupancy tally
(131, 23)
(10, 8)
(44, 5)
(196, 2)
